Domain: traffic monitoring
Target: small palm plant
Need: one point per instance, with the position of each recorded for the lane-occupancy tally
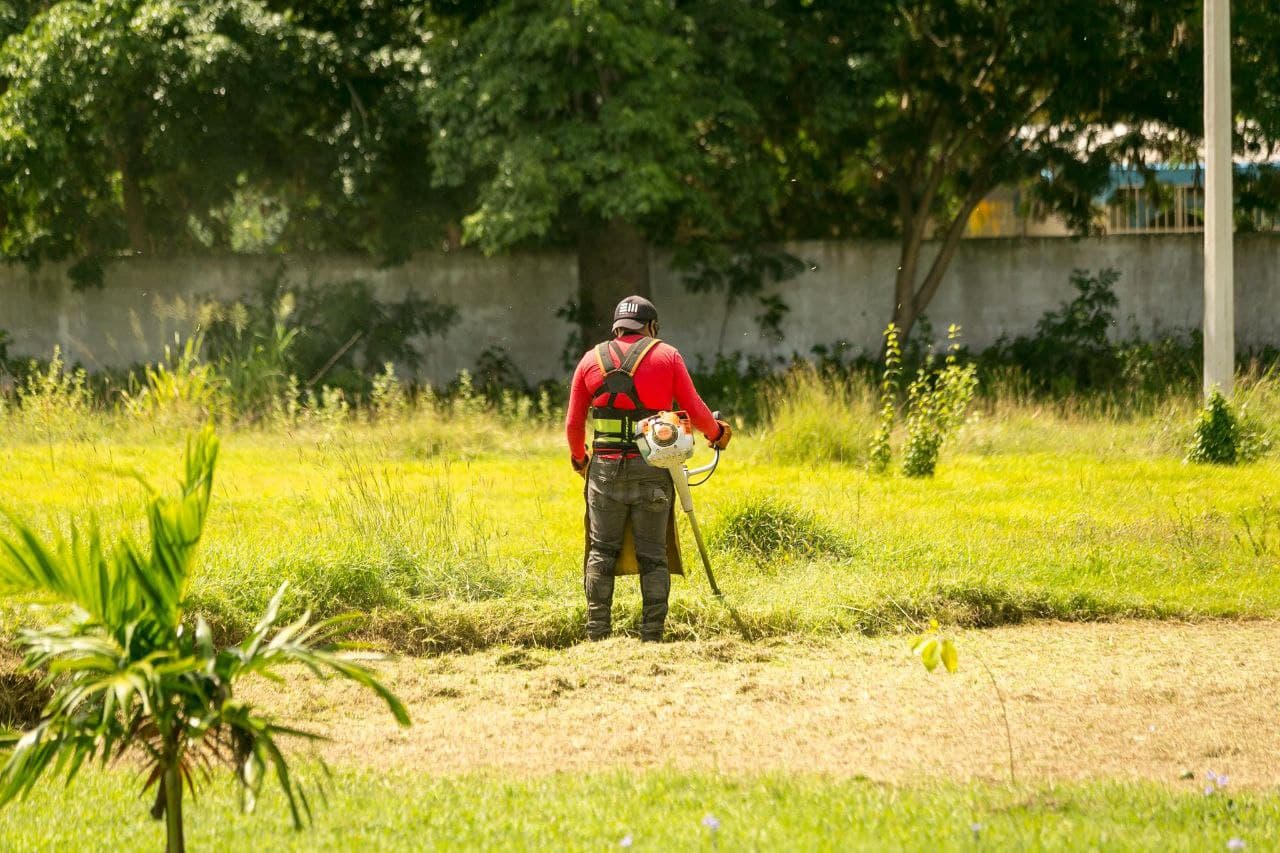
(132, 674)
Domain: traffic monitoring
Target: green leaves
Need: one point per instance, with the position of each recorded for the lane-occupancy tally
(1225, 436)
(564, 118)
(932, 648)
(890, 384)
(122, 590)
(937, 400)
(139, 126)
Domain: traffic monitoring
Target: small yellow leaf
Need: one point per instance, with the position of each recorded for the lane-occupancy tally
(950, 657)
(930, 654)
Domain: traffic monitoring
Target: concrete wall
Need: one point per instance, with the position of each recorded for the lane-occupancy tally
(994, 287)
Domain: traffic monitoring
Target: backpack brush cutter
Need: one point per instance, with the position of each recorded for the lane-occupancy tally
(666, 440)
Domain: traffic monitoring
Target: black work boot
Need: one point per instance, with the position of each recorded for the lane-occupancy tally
(599, 603)
(652, 621)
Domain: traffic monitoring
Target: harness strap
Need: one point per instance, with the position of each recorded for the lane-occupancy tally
(615, 426)
(636, 354)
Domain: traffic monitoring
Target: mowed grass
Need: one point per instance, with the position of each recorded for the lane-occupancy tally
(657, 811)
(464, 533)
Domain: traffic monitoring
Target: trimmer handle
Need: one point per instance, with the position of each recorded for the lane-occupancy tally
(709, 467)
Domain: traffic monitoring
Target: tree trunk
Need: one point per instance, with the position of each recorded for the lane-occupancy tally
(910, 300)
(135, 214)
(904, 289)
(914, 216)
(174, 839)
(613, 263)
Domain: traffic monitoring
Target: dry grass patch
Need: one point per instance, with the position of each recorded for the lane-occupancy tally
(1134, 701)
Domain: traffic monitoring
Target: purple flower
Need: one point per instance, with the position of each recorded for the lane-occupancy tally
(1235, 844)
(1208, 790)
(1217, 781)
(625, 842)
(711, 822)
(975, 828)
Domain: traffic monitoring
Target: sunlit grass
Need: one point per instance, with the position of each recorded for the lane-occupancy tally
(659, 811)
(464, 531)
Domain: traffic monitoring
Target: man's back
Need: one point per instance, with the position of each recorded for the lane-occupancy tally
(661, 381)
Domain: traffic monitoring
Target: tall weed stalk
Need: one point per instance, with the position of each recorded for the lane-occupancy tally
(890, 386)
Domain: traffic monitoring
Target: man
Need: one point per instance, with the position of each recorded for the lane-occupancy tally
(621, 382)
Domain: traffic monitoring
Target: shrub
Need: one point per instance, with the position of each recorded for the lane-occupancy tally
(936, 402)
(497, 375)
(252, 351)
(766, 528)
(334, 334)
(387, 397)
(182, 389)
(735, 381)
(1223, 437)
(1070, 351)
(54, 400)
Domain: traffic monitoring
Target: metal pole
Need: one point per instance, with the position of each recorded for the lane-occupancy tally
(1219, 312)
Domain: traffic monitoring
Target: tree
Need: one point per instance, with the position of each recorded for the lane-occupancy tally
(1256, 99)
(371, 190)
(931, 104)
(132, 674)
(149, 126)
(602, 125)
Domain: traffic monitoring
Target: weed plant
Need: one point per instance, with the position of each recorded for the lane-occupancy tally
(1223, 436)
(890, 386)
(769, 529)
(937, 402)
(182, 392)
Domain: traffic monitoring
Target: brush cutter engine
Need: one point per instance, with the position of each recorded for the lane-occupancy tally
(665, 440)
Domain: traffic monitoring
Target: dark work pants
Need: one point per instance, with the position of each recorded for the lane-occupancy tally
(618, 489)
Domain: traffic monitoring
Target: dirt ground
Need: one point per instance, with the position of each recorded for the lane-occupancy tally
(1134, 700)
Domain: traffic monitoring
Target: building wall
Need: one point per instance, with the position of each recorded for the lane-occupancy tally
(994, 287)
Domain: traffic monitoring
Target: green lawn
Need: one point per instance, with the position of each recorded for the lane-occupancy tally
(458, 534)
(462, 533)
(658, 811)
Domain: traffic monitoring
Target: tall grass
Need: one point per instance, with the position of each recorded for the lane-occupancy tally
(451, 519)
(812, 416)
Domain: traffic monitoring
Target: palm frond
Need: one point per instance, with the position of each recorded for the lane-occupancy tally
(129, 674)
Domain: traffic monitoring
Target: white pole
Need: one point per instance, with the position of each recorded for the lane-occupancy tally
(1219, 312)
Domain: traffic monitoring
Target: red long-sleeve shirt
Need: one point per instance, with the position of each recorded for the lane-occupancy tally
(661, 379)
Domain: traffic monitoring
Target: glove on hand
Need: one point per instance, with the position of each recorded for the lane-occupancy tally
(580, 466)
(722, 441)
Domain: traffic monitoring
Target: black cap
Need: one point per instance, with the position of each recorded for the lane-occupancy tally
(633, 313)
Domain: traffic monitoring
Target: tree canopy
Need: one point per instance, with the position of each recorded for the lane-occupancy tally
(604, 126)
(713, 129)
